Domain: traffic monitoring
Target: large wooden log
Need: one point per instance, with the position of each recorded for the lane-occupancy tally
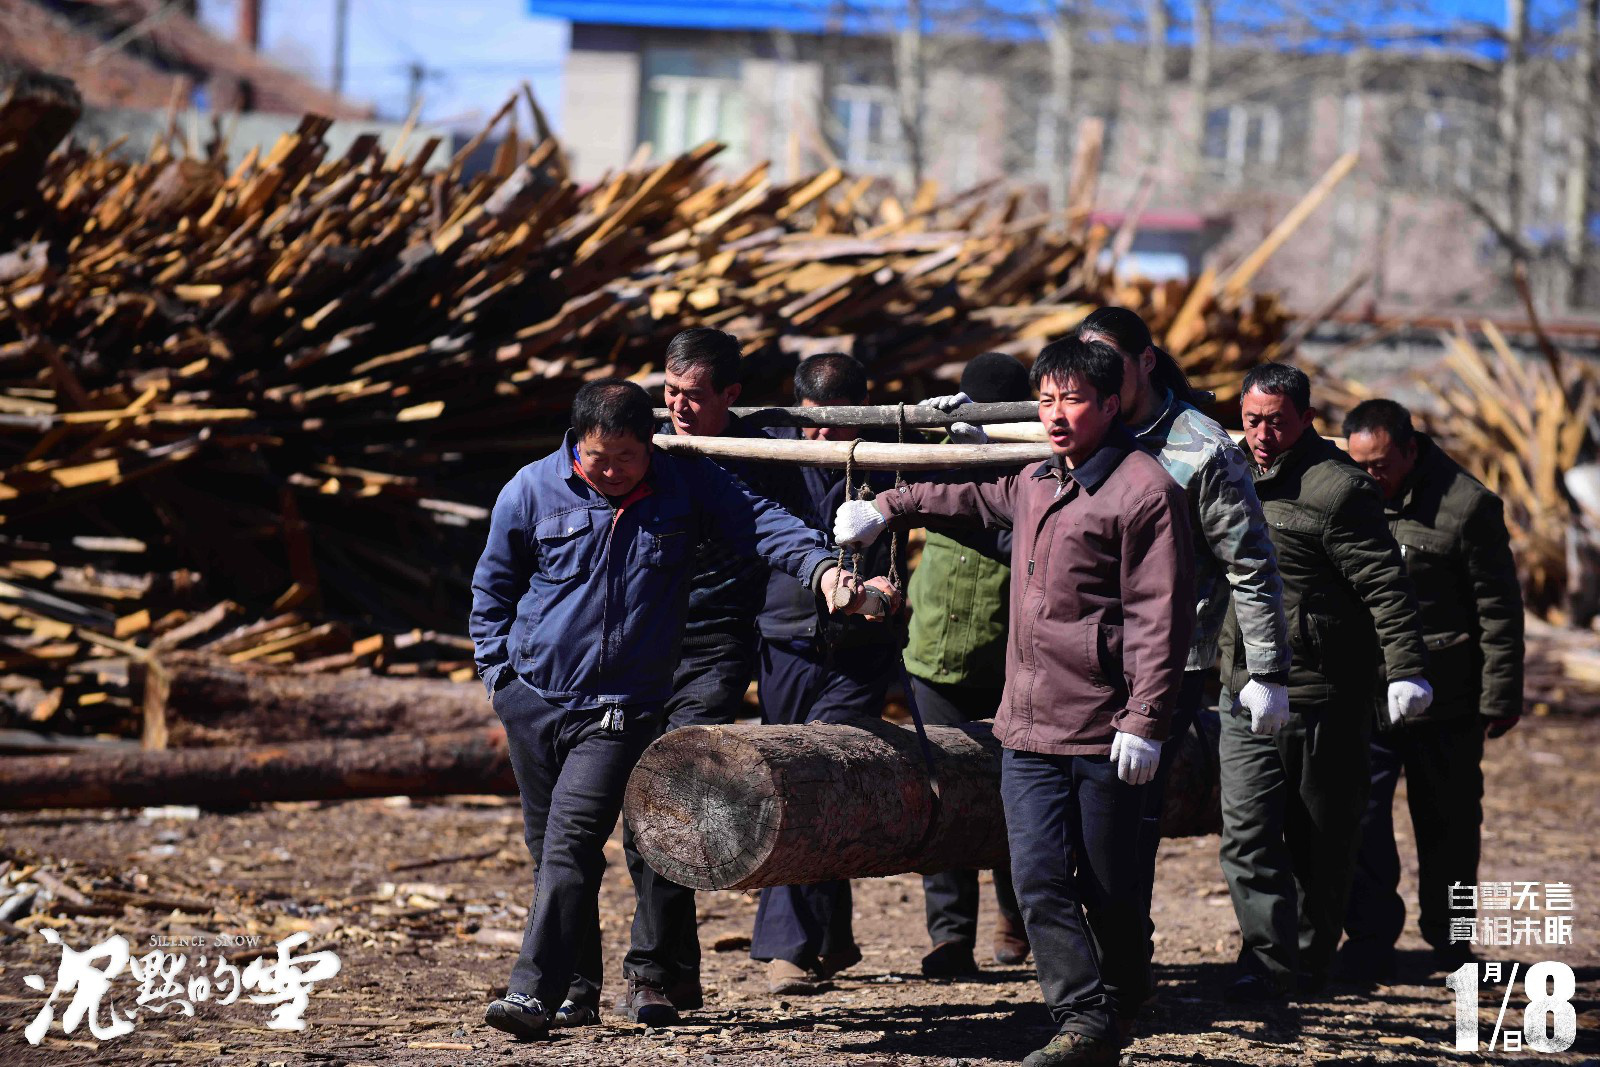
(883, 415)
(743, 807)
(468, 761)
(868, 455)
(202, 700)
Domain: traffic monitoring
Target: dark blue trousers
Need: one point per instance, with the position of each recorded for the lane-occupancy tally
(571, 772)
(708, 690)
(951, 897)
(1070, 820)
(1190, 697)
(800, 682)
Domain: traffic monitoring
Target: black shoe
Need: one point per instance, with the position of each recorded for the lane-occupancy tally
(1010, 942)
(1069, 1049)
(685, 994)
(519, 1015)
(645, 1004)
(1254, 989)
(571, 1013)
(1366, 966)
(1449, 957)
(828, 966)
(1307, 984)
(949, 959)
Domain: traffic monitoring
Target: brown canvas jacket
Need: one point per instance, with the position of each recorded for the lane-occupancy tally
(1102, 593)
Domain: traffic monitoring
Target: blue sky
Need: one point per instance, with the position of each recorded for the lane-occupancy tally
(476, 52)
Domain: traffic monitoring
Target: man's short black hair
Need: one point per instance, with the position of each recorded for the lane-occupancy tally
(1280, 379)
(831, 378)
(704, 347)
(612, 407)
(1092, 362)
(1369, 416)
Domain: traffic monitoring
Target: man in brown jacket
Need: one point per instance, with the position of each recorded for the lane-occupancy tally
(1102, 604)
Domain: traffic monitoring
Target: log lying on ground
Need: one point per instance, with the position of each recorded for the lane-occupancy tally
(198, 700)
(867, 456)
(467, 761)
(743, 807)
(885, 415)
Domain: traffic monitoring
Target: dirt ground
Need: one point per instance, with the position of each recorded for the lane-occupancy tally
(424, 902)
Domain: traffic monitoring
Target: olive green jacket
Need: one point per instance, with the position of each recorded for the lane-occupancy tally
(1345, 589)
(960, 601)
(1453, 538)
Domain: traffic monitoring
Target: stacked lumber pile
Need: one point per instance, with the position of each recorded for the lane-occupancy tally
(259, 408)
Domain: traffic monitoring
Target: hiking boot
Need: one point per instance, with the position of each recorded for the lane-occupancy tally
(949, 959)
(520, 1015)
(647, 1005)
(571, 1013)
(791, 980)
(685, 994)
(1069, 1049)
(1010, 942)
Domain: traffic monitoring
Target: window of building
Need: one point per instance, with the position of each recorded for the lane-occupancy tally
(1244, 136)
(866, 127)
(691, 97)
(1434, 147)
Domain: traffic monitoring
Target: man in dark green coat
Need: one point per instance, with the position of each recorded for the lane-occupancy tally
(1292, 802)
(1453, 537)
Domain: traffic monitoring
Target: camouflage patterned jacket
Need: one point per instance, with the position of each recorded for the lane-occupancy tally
(1231, 543)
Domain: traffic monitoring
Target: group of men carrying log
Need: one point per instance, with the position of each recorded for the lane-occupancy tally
(625, 591)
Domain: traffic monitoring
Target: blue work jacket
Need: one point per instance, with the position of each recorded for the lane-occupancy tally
(585, 602)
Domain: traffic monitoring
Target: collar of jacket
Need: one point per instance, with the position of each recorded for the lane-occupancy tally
(1294, 458)
(1163, 419)
(1092, 472)
(1427, 460)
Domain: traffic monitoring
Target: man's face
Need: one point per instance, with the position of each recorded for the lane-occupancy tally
(614, 463)
(828, 433)
(696, 405)
(1272, 425)
(1075, 417)
(1388, 463)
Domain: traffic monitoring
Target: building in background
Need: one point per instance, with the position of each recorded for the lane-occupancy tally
(1227, 140)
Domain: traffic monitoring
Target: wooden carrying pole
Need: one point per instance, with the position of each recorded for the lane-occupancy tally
(868, 455)
(886, 415)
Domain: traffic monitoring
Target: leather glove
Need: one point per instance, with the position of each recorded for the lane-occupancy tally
(1269, 706)
(1407, 697)
(1136, 757)
(1494, 728)
(965, 433)
(857, 524)
(946, 403)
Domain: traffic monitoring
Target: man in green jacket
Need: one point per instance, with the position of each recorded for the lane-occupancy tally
(1453, 538)
(960, 596)
(1292, 802)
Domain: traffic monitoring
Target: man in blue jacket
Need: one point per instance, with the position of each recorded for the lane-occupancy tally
(578, 607)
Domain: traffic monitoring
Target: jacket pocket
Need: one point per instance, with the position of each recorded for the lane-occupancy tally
(565, 543)
(667, 541)
(1105, 664)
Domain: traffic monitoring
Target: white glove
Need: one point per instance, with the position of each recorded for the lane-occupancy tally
(965, 433)
(1269, 706)
(857, 524)
(1407, 697)
(1136, 757)
(946, 403)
